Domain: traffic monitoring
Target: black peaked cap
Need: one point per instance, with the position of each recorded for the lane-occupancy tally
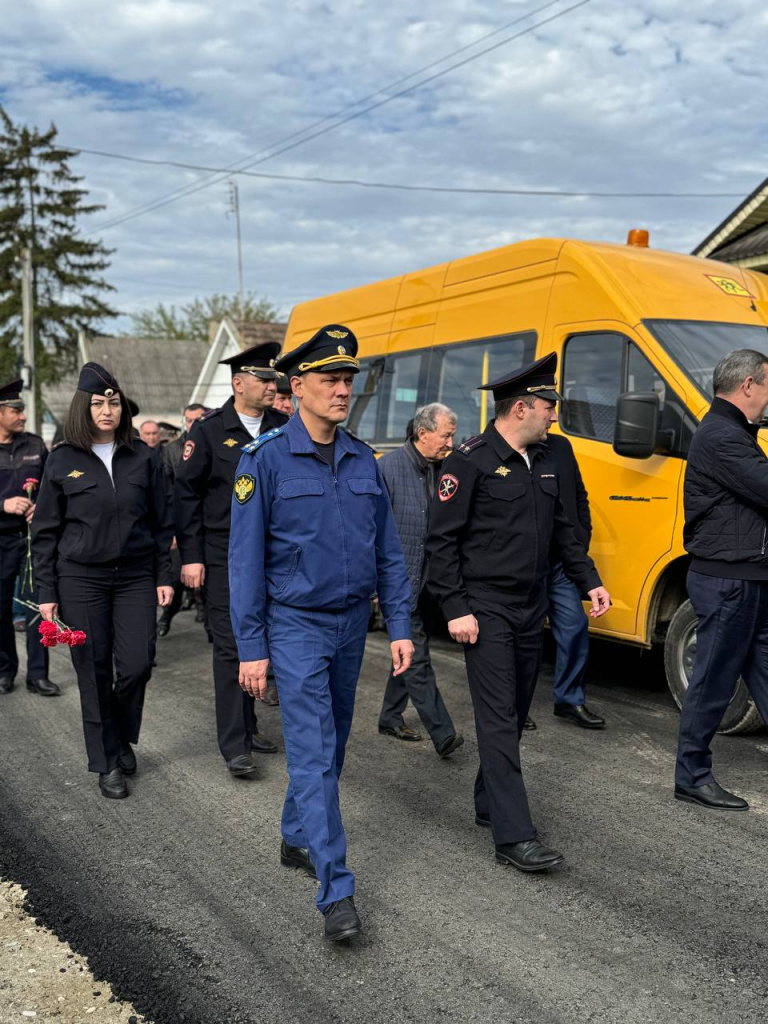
(95, 380)
(333, 347)
(536, 379)
(10, 394)
(258, 360)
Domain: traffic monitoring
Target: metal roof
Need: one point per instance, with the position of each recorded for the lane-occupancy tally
(752, 213)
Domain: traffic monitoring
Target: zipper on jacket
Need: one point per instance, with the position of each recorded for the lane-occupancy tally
(762, 549)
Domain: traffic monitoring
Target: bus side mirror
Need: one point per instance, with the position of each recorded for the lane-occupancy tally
(637, 424)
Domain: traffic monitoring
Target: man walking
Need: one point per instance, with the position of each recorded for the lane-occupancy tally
(726, 526)
(495, 519)
(22, 459)
(202, 498)
(410, 474)
(312, 538)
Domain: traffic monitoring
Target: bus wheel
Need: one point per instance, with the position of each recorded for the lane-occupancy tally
(679, 653)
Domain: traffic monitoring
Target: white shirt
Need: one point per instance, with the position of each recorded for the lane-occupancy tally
(105, 453)
(527, 458)
(251, 423)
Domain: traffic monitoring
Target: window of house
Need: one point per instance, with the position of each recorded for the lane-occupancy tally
(591, 381)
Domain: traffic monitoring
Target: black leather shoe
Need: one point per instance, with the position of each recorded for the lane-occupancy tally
(261, 745)
(242, 765)
(529, 723)
(296, 857)
(126, 760)
(112, 785)
(44, 687)
(580, 714)
(270, 697)
(448, 746)
(483, 820)
(530, 855)
(401, 732)
(712, 795)
(163, 626)
(341, 920)
(200, 615)
(6, 684)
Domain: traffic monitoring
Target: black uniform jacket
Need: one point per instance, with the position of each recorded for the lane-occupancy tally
(573, 493)
(83, 519)
(25, 459)
(492, 525)
(205, 477)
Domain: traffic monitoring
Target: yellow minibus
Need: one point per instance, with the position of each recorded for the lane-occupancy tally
(637, 332)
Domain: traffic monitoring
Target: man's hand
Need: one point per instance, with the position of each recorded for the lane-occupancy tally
(193, 575)
(30, 512)
(464, 630)
(16, 506)
(49, 611)
(402, 656)
(164, 596)
(253, 677)
(601, 602)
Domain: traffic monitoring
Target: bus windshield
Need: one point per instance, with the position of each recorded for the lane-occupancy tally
(697, 346)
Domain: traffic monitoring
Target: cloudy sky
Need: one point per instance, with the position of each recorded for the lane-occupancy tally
(653, 96)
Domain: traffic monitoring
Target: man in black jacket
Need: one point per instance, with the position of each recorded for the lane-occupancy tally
(726, 528)
(569, 624)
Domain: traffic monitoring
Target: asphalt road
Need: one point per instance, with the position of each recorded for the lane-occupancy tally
(178, 898)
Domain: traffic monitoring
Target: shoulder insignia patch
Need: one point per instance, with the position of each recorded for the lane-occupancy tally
(75, 474)
(470, 444)
(447, 487)
(257, 442)
(230, 442)
(502, 471)
(187, 450)
(210, 414)
(244, 487)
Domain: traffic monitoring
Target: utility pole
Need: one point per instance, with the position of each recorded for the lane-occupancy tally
(234, 206)
(28, 336)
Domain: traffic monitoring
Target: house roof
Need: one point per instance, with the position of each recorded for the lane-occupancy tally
(214, 382)
(743, 236)
(158, 374)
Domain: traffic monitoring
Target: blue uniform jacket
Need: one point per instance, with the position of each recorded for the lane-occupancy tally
(311, 537)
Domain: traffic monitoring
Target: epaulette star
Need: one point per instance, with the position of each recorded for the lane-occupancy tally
(252, 446)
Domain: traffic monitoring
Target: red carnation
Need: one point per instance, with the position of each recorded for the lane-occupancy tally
(31, 482)
(77, 638)
(64, 636)
(47, 628)
(49, 640)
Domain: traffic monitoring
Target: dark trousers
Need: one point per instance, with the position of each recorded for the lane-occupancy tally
(731, 641)
(317, 656)
(420, 685)
(502, 667)
(116, 609)
(570, 631)
(235, 719)
(13, 558)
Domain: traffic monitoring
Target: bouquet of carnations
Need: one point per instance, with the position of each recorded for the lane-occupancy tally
(56, 632)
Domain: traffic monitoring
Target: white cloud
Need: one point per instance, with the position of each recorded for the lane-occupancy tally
(646, 97)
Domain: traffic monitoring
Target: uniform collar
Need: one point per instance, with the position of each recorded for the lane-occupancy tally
(722, 407)
(301, 443)
(502, 448)
(229, 418)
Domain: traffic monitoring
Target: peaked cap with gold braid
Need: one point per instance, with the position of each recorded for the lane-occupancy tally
(333, 347)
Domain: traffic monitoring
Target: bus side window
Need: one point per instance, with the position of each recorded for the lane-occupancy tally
(591, 383)
(403, 390)
(366, 395)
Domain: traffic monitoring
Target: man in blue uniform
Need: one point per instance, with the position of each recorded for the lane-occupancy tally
(22, 459)
(312, 538)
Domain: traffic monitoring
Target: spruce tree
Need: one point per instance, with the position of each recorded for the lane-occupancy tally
(41, 203)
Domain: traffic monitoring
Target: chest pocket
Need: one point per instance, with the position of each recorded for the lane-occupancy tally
(300, 488)
(364, 487)
(549, 486)
(505, 491)
(77, 485)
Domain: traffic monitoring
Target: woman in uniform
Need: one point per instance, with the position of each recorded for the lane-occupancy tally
(101, 540)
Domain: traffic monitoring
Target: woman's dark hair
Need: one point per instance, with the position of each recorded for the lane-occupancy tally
(79, 428)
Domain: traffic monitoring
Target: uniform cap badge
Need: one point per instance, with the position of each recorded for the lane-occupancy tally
(341, 350)
(230, 442)
(447, 487)
(244, 487)
(338, 334)
(502, 471)
(75, 474)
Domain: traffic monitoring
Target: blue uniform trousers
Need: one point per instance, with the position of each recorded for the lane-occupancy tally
(316, 656)
(570, 630)
(731, 641)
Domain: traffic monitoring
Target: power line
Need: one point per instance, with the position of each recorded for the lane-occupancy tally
(351, 117)
(451, 189)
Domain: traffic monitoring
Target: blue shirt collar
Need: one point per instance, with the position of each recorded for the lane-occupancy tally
(301, 443)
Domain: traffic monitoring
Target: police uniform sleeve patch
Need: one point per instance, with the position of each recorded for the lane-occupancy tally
(254, 445)
(244, 487)
(189, 447)
(447, 487)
